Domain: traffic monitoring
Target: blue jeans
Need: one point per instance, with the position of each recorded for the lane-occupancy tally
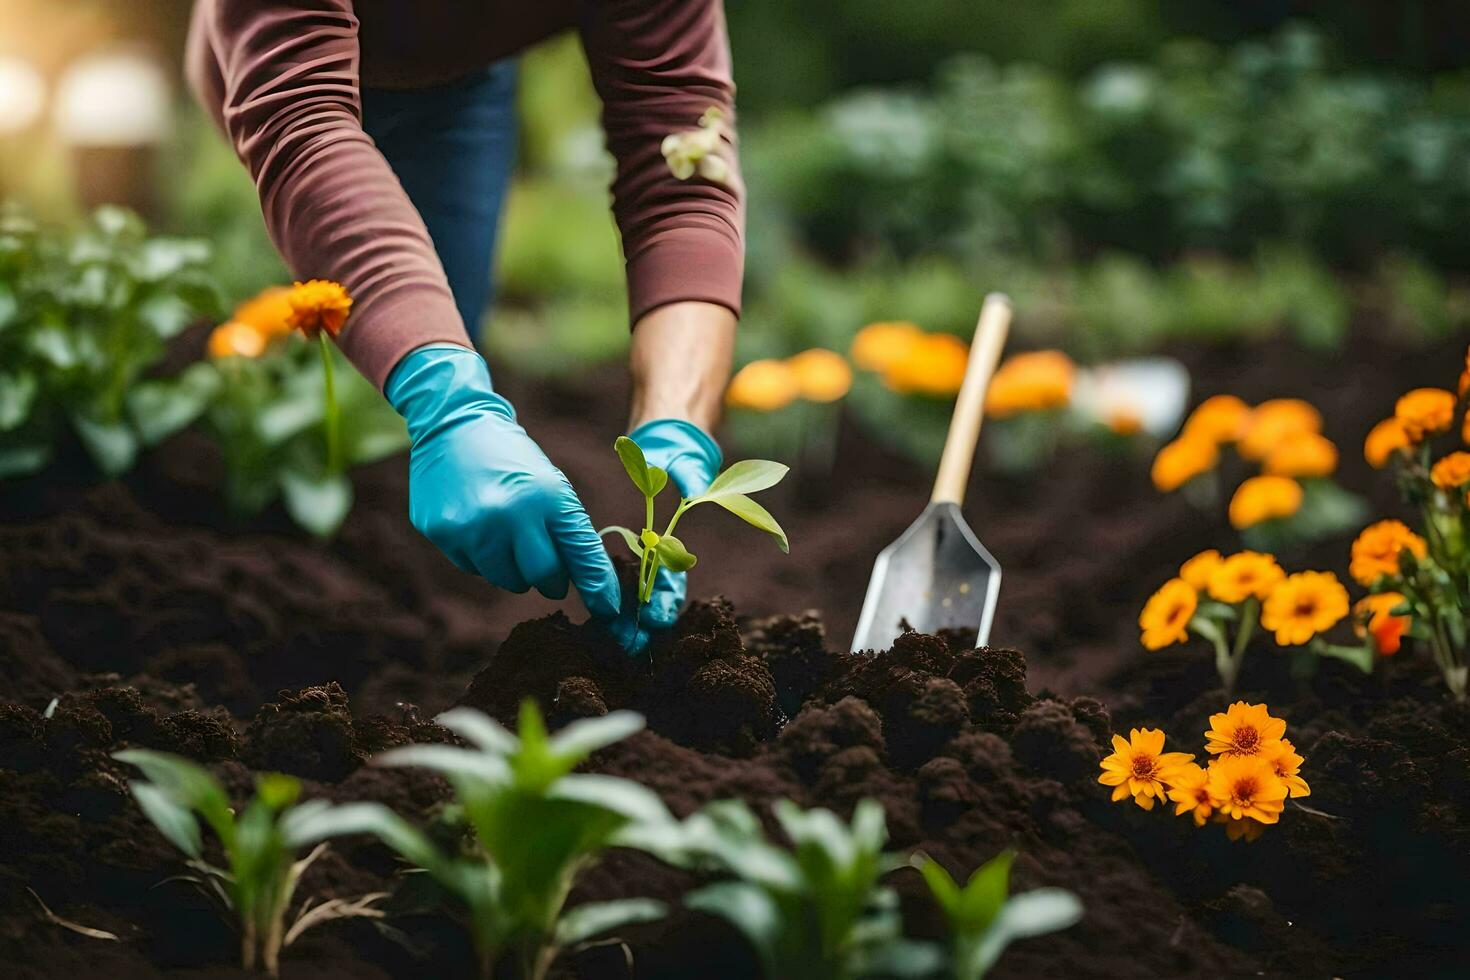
(453, 148)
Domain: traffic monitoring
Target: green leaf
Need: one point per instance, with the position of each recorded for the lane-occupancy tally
(746, 476)
(585, 736)
(448, 760)
(17, 395)
(112, 445)
(318, 503)
(479, 728)
(904, 958)
(945, 890)
(985, 893)
(658, 478)
(277, 790)
(23, 459)
(1033, 913)
(673, 554)
(632, 456)
(627, 534)
(363, 818)
(9, 306)
(755, 515)
(595, 918)
(165, 316)
(175, 822)
(188, 784)
(163, 407)
(749, 909)
(629, 800)
(53, 344)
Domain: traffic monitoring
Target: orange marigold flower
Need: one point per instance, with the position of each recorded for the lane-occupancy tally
(1304, 605)
(932, 365)
(268, 311)
(1288, 766)
(1242, 829)
(1425, 411)
(1031, 382)
(1274, 420)
(1188, 789)
(318, 305)
(1182, 460)
(1244, 575)
(763, 386)
(1374, 617)
(1376, 550)
(1197, 570)
(236, 339)
(1139, 767)
(1165, 617)
(1219, 418)
(1385, 439)
(1264, 498)
(822, 375)
(1451, 472)
(880, 344)
(1243, 729)
(1246, 787)
(1302, 454)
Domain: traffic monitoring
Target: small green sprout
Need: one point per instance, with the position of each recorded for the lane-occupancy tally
(534, 825)
(730, 490)
(984, 918)
(260, 846)
(818, 910)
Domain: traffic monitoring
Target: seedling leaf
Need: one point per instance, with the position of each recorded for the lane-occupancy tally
(673, 554)
(985, 893)
(173, 821)
(746, 476)
(583, 737)
(595, 918)
(750, 910)
(629, 537)
(638, 469)
(1029, 914)
(479, 728)
(755, 515)
(448, 760)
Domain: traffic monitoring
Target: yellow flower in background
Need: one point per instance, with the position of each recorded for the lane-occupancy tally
(318, 305)
(1244, 575)
(1304, 605)
(1373, 616)
(1287, 765)
(878, 345)
(1264, 498)
(1242, 829)
(1376, 550)
(269, 311)
(1182, 460)
(1451, 472)
(821, 375)
(1246, 787)
(1302, 454)
(1031, 382)
(763, 386)
(1220, 418)
(932, 365)
(1139, 767)
(1385, 439)
(1272, 421)
(1197, 570)
(1165, 617)
(1188, 787)
(1243, 729)
(1425, 411)
(236, 339)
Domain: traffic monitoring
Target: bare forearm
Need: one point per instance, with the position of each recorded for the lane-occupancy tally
(680, 362)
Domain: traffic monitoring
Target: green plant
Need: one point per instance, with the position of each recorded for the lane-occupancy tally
(260, 844)
(84, 318)
(818, 910)
(984, 918)
(533, 825)
(730, 490)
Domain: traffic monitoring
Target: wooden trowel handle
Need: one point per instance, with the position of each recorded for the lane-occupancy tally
(969, 407)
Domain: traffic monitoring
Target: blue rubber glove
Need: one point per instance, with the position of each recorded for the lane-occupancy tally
(481, 490)
(692, 460)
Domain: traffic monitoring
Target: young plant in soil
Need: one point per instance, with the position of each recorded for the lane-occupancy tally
(984, 918)
(730, 490)
(534, 825)
(818, 910)
(260, 845)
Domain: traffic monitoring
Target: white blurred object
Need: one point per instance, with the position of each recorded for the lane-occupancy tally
(22, 94)
(1151, 392)
(113, 98)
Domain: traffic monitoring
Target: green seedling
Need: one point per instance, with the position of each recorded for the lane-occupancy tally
(818, 910)
(730, 490)
(984, 918)
(532, 825)
(260, 845)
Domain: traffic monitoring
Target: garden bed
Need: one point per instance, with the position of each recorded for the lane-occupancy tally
(161, 624)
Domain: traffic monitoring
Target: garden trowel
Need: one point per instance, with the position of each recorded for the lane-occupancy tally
(937, 574)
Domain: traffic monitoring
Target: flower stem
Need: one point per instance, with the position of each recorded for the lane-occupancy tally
(1250, 615)
(333, 419)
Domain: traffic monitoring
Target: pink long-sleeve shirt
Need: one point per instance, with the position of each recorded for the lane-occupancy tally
(282, 79)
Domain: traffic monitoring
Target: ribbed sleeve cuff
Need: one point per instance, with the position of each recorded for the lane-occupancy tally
(693, 264)
(379, 334)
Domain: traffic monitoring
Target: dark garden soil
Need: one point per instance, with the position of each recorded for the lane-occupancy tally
(158, 622)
